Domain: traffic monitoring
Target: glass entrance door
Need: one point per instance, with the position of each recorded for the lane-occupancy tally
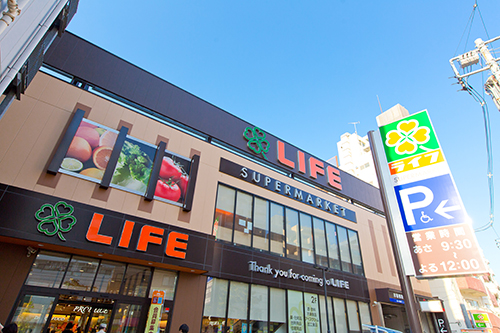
(85, 317)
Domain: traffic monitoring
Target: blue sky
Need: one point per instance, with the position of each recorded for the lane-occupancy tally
(304, 70)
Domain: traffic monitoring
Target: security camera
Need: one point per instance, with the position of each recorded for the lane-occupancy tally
(30, 251)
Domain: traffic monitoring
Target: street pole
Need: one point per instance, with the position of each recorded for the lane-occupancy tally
(471, 58)
(412, 309)
(324, 269)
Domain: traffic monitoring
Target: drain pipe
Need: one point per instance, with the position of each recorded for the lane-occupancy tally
(10, 15)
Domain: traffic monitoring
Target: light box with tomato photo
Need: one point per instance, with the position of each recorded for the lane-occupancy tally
(173, 179)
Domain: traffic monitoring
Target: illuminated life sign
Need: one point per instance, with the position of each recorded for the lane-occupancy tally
(176, 244)
(438, 232)
(293, 159)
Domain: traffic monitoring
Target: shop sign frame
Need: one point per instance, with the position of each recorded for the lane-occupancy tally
(438, 233)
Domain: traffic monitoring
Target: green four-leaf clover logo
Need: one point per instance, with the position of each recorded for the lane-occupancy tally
(256, 140)
(55, 219)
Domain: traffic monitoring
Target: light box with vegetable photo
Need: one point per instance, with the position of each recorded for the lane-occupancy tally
(86, 152)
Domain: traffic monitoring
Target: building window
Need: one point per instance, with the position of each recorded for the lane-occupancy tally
(311, 307)
(136, 281)
(277, 304)
(247, 220)
(237, 309)
(320, 242)
(48, 270)
(306, 238)
(333, 245)
(244, 224)
(224, 214)
(276, 310)
(357, 264)
(345, 255)
(166, 281)
(109, 277)
(89, 274)
(292, 234)
(261, 224)
(214, 313)
(80, 274)
(364, 313)
(277, 230)
(258, 308)
(352, 314)
(295, 311)
(340, 315)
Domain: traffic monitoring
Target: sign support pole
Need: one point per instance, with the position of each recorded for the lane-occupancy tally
(412, 309)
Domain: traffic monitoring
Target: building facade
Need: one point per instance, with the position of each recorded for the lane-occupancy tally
(355, 157)
(129, 202)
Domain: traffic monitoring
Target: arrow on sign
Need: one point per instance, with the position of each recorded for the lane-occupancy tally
(443, 211)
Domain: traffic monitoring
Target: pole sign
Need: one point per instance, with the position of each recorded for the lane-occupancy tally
(439, 234)
(154, 315)
(481, 320)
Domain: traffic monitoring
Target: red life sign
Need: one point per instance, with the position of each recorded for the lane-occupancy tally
(176, 245)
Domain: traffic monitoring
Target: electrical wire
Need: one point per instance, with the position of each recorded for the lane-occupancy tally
(486, 118)
(469, 24)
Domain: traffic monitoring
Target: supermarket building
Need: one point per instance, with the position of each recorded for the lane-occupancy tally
(127, 201)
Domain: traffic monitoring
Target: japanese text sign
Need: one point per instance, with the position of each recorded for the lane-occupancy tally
(441, 240)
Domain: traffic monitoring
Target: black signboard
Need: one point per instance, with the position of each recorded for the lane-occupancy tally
(285, 189)
(46, 219)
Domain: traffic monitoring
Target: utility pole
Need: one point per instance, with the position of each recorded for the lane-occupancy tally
(492, 85)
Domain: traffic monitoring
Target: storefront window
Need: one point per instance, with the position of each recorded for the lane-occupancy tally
(345, 256)
(261, 224)
(165, 281)
(320, 242)
(277, 230)
(224, 214)
(295, 311)
(324, 327)
(237, 309)
(312, 313)
(364, 313)
(352, 314)
(277, 304)
(340, 316)
(243, 224)
(333, 246)
(126, 318)
(136, 281)
(32, 313)
(306, 238)
(248, 220)
(214, 313)
(48, 270)
(258, 309)
(292, 234)
(80, 274)
(357, 264)
(109, 277)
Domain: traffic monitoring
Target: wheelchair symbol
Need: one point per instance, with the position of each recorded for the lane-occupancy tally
(425, 218)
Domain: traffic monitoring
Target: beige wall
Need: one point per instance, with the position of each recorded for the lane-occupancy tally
(32, 127)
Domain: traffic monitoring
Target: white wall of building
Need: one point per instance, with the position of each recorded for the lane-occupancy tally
(21, 36)
(355, 157)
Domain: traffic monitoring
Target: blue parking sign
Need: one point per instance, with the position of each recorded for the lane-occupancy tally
(430, 203)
